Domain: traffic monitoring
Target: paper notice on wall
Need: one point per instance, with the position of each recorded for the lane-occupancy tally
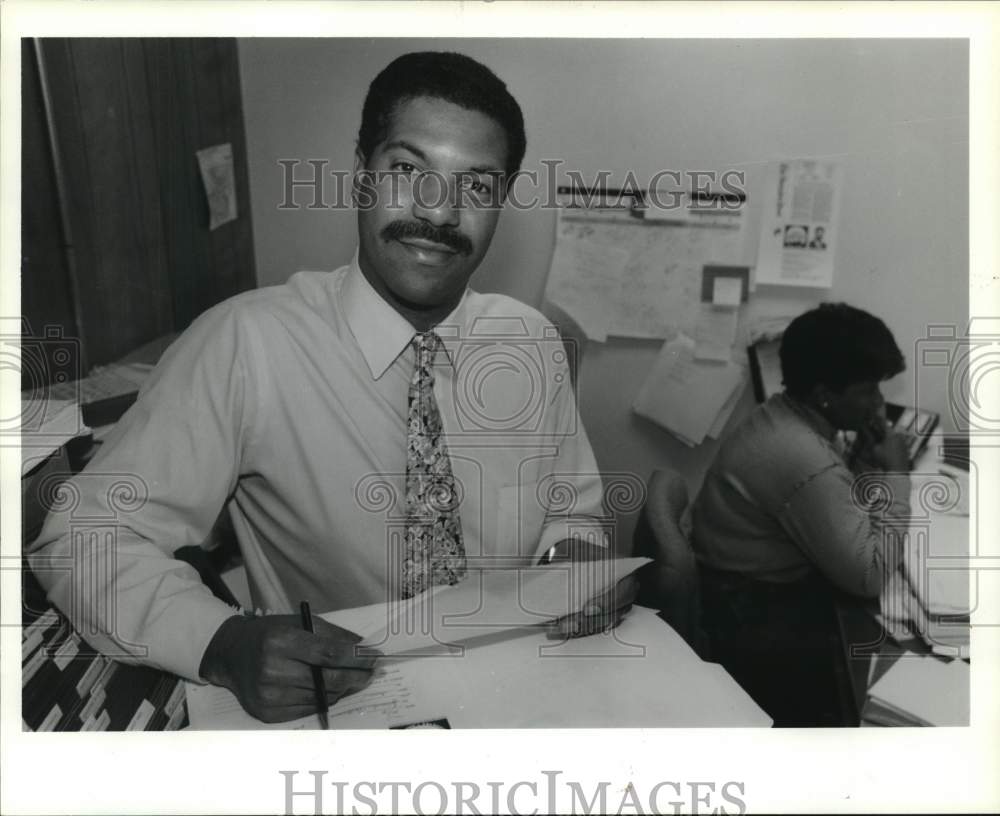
(686, 395)
(726, 292)
(725, 285)
(722, 212)
(655, 294)
(216, 165)
(799, 222)
(716, 332)
(583, 280)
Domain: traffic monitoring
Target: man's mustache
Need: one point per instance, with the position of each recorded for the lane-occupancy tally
(448, 237)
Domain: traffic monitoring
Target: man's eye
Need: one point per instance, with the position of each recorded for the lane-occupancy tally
(404, 167)
(473, 185)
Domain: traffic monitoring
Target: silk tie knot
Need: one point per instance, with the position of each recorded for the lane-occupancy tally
(426, 345)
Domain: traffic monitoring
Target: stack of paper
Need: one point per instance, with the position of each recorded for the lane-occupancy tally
(905, 618)
(929, 597)
(492, 601)
(938, 569)
(921, 690)
(640, 675)
(47, 425)
(689, 397)
(474, 656)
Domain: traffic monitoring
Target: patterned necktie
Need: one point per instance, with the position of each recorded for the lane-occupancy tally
(433, 552)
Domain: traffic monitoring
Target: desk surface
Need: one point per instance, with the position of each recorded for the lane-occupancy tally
(871, 650)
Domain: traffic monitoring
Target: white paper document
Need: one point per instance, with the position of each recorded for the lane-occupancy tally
(928, 688)
(716, 332)
(936, 562)
(385, 700)
(906, 618)
(799, 222)
(491, 601)
(219, 180)
(582, 281)
(727, 291)
(47, 425)
(641, 674)
(654, 293)
(937, 566)
(723, 215)
(686, 395)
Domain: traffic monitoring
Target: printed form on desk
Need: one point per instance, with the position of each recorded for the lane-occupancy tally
(927, 689)
(47, 425)
(641, 674)
(930, 596)
(497, 668)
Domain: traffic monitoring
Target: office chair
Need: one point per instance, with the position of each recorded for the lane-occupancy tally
(669, 584)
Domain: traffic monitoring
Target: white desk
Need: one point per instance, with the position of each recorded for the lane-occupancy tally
(921, 673)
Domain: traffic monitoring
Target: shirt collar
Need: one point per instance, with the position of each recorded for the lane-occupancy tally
(381, 332)
(812, 417)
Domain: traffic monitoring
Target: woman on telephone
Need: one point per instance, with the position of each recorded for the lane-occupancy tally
(779, 527)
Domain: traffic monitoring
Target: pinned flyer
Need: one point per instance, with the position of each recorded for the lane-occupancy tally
(716, 332)
(725, 285)
(219, 179)
(583, 279)
(723, 290)
(726, 292)
(799, 224)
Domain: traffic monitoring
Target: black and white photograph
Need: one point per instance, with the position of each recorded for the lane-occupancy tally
(621, 402)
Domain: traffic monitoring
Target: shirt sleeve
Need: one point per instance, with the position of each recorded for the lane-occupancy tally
(851, 529)
(576, 491)
(160, 480)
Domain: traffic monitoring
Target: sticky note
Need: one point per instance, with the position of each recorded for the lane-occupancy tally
(727, 291)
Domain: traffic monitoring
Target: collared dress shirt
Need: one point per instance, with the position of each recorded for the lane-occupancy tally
(780, 502)
(288, 405)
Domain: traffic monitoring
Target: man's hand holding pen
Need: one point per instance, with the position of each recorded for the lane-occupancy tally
(267, 663)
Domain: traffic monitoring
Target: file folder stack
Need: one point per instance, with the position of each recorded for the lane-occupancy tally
(921, 690)
(66, 686)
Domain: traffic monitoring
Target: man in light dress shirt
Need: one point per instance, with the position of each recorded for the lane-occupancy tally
(289, 406)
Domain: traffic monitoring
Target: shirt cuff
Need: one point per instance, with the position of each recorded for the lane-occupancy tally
(179, 643)
(584, 529)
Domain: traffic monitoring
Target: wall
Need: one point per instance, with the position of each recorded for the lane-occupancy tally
(110, 161)
(896, 111)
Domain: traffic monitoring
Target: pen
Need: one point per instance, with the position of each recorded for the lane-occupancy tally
(317, 673)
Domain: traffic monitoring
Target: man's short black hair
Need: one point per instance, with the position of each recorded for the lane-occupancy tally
(837, 345)
(452, 77)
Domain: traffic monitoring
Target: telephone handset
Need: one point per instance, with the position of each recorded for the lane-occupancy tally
(915, 424)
